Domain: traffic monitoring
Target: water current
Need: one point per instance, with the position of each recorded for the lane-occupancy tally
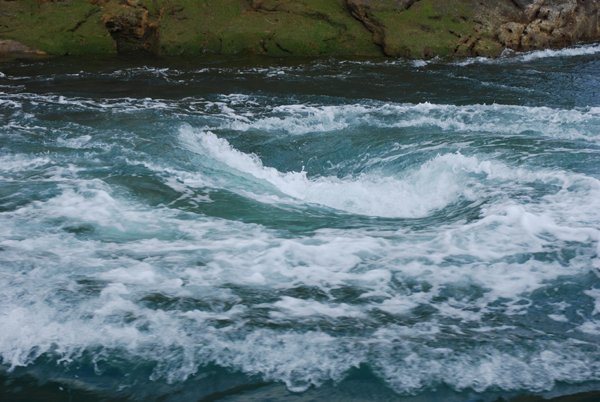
(316, 230)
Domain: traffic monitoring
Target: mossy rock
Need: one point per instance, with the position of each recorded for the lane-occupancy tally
(281, 28)
(64, 27)
(427, 28)
(298, 28)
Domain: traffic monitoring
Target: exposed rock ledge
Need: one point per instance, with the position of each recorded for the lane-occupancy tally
(411, 28)
(12, 46)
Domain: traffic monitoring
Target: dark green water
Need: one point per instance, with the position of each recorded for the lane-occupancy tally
(317, 230)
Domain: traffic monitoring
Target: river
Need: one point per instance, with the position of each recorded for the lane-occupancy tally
(241, 229)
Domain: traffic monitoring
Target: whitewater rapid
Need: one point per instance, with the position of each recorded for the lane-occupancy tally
(295, 238)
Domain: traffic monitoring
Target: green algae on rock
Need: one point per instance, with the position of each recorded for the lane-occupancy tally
(409, 28)
(59, 28)
(275, 28)
(426, 28)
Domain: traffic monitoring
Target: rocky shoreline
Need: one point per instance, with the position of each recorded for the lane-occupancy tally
(393, 28)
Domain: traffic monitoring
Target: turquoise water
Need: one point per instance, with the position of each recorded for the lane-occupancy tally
(254, 229)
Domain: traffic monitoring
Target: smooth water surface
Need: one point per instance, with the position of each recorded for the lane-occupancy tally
(251, 229)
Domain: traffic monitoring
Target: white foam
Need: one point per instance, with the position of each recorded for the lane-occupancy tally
(567, 52)
(76, 143)
(442, 181)
(420, 63)
(164, 73)
(99, 208)
(145, 252)
(236, 112)
(435, 185)
(595, 294)
(9, 102)
(515, 57)
(290, 306)
(558, 317)
(422, 367)
(20, 163)
(302, 119)
(88, 268)
(506, 229)
(119, 105)
(503, 119)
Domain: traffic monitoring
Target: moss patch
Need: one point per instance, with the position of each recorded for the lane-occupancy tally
(299, 28)
(431, 27)
(411, 28)
(66, 27)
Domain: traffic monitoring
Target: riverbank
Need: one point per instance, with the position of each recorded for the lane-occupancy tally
(307, 28)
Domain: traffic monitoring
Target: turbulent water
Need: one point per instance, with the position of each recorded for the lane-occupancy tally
(238, 230)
